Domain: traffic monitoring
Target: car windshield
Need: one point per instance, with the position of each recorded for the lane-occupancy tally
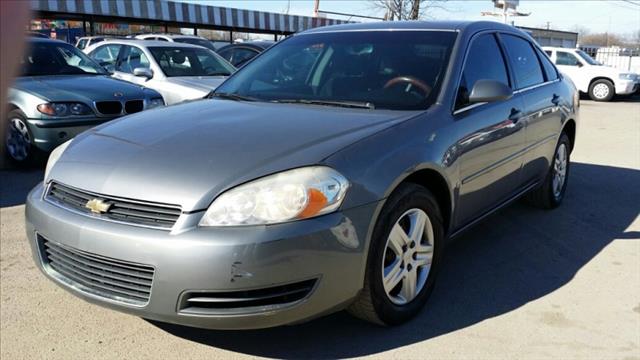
(54, 58)
(400, 70)
(587, 58)
(196, 41)
(190, 61)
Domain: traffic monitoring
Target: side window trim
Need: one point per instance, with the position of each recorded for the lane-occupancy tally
(496, 35)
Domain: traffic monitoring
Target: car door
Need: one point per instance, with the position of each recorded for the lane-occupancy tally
(536, 81)
(491, 137)
(131, 58)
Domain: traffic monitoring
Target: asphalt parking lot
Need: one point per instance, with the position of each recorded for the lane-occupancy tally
(526, 283)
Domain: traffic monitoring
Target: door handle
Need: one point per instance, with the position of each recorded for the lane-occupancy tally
(555, 99)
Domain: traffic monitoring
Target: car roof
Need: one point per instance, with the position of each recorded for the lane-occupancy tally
(148, 43)
(47, 40)
(557, 48)
(174, 36)
(451, 25)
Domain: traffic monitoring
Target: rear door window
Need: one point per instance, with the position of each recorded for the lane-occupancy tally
(524, 61)
(477, 67)
(565, 58)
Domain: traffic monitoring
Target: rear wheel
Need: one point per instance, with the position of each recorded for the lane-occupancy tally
(550, 194)
(403, 258)
(601, 90)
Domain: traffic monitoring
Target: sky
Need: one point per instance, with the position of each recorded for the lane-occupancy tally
(616, 16)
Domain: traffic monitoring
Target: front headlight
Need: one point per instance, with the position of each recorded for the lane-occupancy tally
(290, 195)
(64, 109)
(155, 102)
(54, 157)
(627, 76)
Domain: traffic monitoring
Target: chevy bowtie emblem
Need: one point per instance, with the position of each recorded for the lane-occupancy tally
(97, 206)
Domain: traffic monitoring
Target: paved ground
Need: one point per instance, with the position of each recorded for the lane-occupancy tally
(524, 284)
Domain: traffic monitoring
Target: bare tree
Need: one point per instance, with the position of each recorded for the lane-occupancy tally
(407, 9)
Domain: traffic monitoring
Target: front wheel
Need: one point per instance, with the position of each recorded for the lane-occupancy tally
(403, 258)
(601, 90)
(18, 139)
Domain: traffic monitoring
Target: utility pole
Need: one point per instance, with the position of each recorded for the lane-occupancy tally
(548, 23)
(316, 7)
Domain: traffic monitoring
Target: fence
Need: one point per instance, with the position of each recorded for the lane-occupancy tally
(620, 58)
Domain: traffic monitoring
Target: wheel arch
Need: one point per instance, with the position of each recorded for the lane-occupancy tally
(602, 78)
(569, 128)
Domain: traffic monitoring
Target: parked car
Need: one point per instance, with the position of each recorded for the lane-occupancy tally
(60, 93)
(86, 41)
(178, 71)
(37, 34)
(239, 53)
(293, 193)
(185, 39)
(601, 82)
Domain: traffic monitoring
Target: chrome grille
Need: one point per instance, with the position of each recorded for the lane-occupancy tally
(117, 280)
(245, 301)
(109, 107)
(132, 212)
(133, 106)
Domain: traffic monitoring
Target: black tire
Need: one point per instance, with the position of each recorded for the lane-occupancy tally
(544, 196)
(373, 304)
(611, 90)
(33, 155)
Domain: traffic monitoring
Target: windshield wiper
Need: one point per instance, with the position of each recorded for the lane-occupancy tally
(339, 103)
(219, 73)
(229, 96)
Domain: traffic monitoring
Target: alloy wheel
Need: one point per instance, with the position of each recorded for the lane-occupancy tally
(18, 140)
(408, 256)
(559, 170)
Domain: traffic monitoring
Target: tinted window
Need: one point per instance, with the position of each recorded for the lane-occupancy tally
(549, 69)
(393, 70)
(587, 58)
(242, 55)
(196, 41)
(133, 58)
(190, 61)
(565, 58)
(478, 68)
(226, 54)
(525, 64)
(82, 44)
(106, 55)
(548, 52)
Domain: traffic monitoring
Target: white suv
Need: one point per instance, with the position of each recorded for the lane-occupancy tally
(599, 81)
(189, 39)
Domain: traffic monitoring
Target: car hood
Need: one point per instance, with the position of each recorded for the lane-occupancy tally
(202, 83)
(78, 88)
(188, 154)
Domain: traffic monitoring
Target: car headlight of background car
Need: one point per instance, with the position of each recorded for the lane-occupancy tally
(628, 76)
(155, 102)
(290, 195)
(64, 109)
(54, 157)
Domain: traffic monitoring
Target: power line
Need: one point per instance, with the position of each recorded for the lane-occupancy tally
(631, 2)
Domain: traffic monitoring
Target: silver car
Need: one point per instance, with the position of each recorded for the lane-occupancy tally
(178, 71)
(60, 93)
(297, 191)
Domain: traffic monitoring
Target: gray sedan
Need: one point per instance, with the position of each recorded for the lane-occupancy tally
(60, 93)
(297, 191)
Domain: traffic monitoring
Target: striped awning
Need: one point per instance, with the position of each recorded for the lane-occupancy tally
(185, 13)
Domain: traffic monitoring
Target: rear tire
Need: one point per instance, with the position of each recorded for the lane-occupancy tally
(602, 90)
(399, 267)
(550, 193)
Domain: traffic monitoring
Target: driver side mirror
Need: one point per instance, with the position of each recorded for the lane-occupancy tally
(143, 72)
(489, 91)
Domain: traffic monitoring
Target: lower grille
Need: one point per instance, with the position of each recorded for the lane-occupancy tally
(109, 278)
(109, 107)
(154, 215)
(245, 301)
(133, 106)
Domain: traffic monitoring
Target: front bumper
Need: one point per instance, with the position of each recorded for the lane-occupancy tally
(330, 249)
(626, 87)
(48, 134)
